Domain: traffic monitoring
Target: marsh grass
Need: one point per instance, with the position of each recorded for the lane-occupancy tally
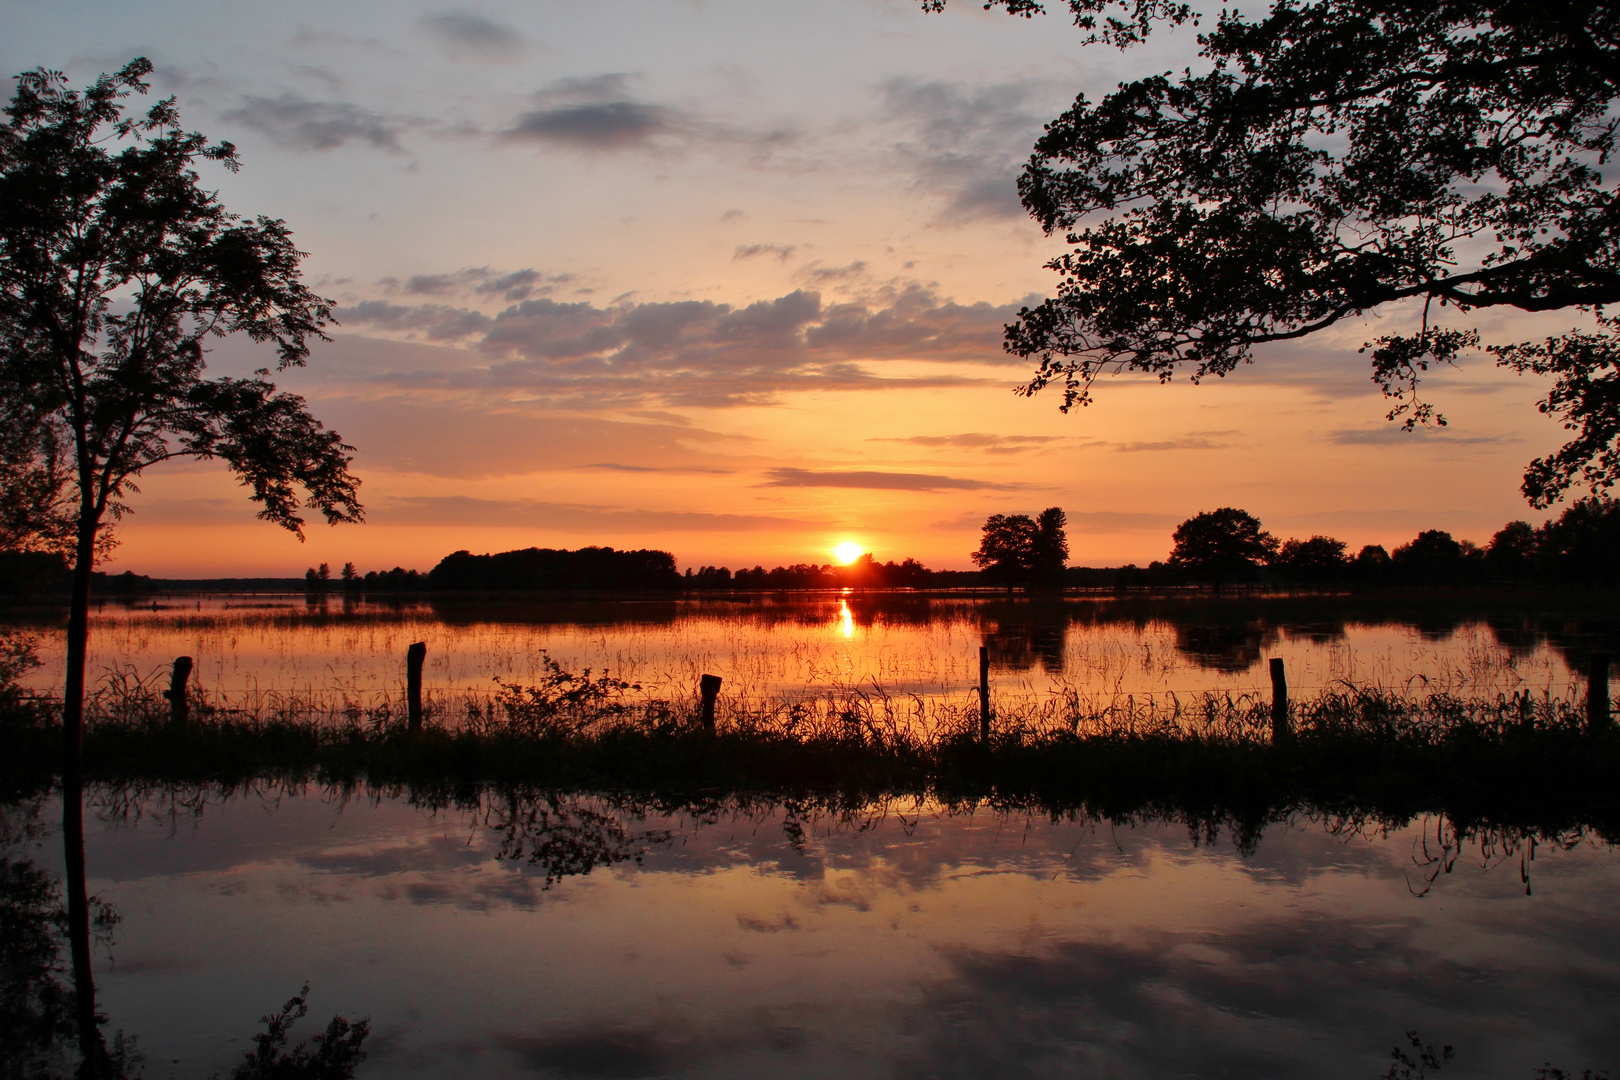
(1514, 758)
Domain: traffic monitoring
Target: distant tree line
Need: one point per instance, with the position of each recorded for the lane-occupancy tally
(1228, 545)
(864, 572)
(538, 569)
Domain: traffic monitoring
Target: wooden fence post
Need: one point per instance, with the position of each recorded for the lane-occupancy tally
(413, 683)
(1280, 731)
(984, 695)
(709, 687)
(179, 706)
(1597, 694)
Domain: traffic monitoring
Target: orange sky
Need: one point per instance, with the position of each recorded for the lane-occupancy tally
(727, 279)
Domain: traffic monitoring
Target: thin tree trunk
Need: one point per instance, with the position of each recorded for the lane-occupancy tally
(94, 1063)
(78, 642)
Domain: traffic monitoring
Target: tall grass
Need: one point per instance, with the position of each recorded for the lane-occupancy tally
(1503, 758)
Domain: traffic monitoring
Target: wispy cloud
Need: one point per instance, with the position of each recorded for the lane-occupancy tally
(1395, 435)
(883, 481)
(966, 144)
(974, 440)
(299, 123)
(1193, 440)
(783, 252)
(573, 517)
(481, 281)
(698, 470)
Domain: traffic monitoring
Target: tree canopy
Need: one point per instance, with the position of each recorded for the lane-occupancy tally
(1329, 158)
(1221, 545)
(116, 268)
(1016, 549)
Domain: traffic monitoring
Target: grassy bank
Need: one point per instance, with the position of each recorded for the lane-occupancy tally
(1514, 762)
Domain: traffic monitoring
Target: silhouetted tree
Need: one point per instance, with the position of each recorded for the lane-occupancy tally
(1371, 566)
(1314, 561)
(1051, 546)
(1221, 545)
(1016, 549)
(37, 511)
(1433, 557)
(115, 268)
(1511, 554)
(552, 568)
(1583, 543)
(1327, 158)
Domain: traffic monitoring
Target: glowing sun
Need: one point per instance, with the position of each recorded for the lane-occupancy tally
(848, 552)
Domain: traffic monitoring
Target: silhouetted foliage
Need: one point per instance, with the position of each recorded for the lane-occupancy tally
(1372, 564)
(1511, 554)
(331, 1055)
(864, 573)
(1328, 158)
(116, 267)
(1222, 545)
(396, 580)
(36, 1007)
(24, 573)
(37, 511)
(1583, 543)
(1316, 561)
(1432, 558)
(1429, 1060)
(1016, 549)
(535, 569)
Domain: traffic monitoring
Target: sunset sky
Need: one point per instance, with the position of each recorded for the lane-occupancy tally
(726, 277)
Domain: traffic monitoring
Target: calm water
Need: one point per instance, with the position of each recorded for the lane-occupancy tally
(254, 649)
(903, 941)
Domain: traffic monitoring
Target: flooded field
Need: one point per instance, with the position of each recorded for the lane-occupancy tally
(564, 936)
(1095, 650)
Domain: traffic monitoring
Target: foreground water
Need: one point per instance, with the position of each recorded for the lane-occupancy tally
(565, 936)
(258, 651)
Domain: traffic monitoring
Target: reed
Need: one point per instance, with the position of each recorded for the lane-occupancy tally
(1504, 758)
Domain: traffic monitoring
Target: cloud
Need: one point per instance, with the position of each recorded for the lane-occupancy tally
(1394, 434)
(435, 322)
(783, 252)
(594, 113)
(694, 352)
(606, 125)
(466, 36)
(1195, 440)
(572, 517)
(1104, 522)
(966, 144)
(299, 123)
(482, 281)
(599, 113)
(973, 440)
(614, 466)
(826, 275)
(887, 481)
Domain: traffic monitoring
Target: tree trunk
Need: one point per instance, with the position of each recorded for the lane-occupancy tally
(93, 1060)
(78, 642)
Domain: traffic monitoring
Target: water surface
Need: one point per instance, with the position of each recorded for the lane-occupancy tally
(566, 936)
(1095, 650)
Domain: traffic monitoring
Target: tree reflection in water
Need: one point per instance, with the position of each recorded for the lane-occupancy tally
(50, 1027)
(48, 1009)
(564, 836)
